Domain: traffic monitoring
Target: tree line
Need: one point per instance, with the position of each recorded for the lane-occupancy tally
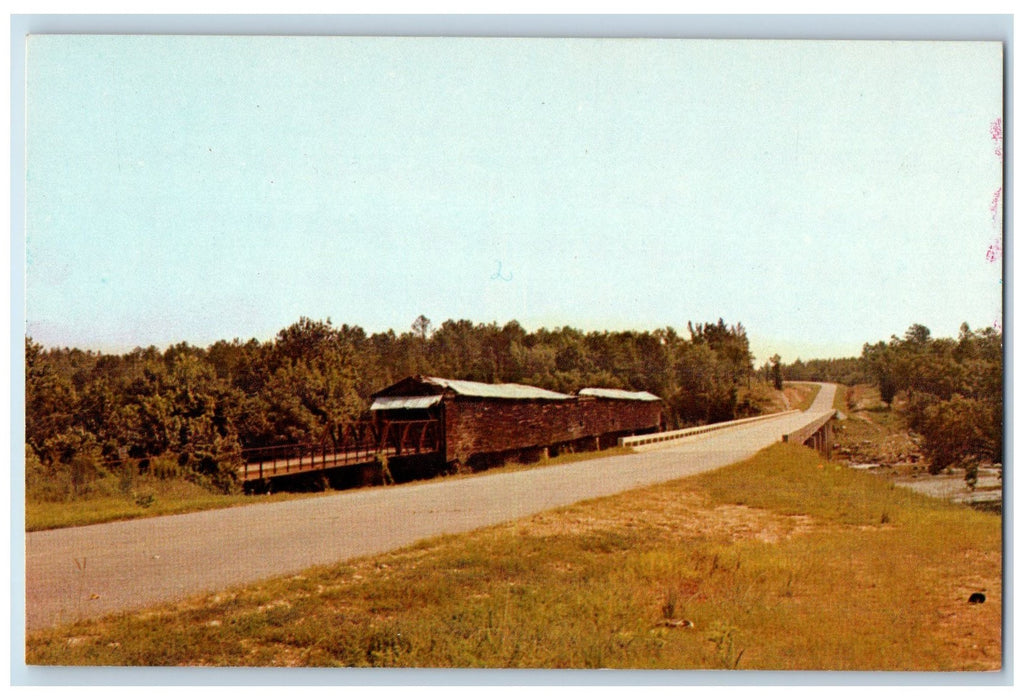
(845, 370)
(192, 411)
(950, 389)
(953, 390)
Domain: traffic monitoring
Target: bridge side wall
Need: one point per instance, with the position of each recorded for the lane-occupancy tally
(476, 426)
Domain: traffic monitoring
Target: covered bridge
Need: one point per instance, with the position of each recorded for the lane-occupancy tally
(480, 423)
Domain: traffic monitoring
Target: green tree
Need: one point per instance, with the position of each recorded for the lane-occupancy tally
(953, 392)
(51, 401)
(880, 357)
(421, 327)
(961, 431)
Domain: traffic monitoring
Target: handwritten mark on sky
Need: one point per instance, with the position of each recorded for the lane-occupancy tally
(499, 276)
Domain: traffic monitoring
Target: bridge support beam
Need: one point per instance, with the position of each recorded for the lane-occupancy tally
(818, 434)
(822, 440)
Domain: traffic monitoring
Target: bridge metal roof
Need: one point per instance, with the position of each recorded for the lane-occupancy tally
(464, 387)
(619, 394)
(387, 403)
(423, 392)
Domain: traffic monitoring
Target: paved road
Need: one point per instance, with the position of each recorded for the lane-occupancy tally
(129, 565)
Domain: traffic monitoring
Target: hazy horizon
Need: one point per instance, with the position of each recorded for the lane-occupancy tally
(761, 348)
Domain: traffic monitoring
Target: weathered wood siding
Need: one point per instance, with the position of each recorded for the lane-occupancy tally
(607, 416)
(475, 426)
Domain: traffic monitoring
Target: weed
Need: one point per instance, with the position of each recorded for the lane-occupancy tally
(971, 474)
(787, 590)
(605, 541)
(383, 470)
(80, 566)
(128, 472)
(385, 646)
(668, 608)
(723, 637)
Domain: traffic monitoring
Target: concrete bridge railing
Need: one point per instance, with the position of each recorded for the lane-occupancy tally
(674, 435)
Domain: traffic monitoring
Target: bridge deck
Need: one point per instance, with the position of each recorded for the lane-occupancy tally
(307, 463)
(357, 443)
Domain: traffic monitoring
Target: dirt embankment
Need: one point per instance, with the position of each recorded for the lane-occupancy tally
(872, 436)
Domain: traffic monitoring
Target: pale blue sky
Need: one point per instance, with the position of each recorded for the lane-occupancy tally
(824, 194)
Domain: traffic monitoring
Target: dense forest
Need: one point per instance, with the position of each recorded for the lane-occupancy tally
(191, 411)
(950, 390)
(844, 370)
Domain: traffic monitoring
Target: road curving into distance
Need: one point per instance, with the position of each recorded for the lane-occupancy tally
(85, 572)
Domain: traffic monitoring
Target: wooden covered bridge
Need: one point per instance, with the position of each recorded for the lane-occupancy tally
(455, 424)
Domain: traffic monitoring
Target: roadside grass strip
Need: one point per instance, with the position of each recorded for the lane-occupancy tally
(839, 400)
(156, 497)
(780, 562)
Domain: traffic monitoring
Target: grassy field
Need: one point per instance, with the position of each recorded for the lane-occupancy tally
(815, 567)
